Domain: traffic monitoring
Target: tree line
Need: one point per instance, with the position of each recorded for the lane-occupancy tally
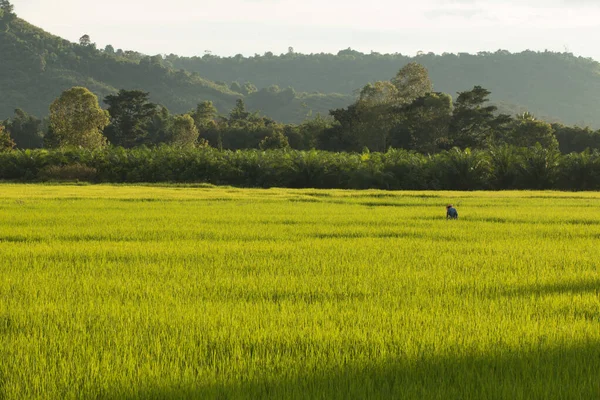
(554, 86)
(498, 168)
(36, 66)
(402, 113)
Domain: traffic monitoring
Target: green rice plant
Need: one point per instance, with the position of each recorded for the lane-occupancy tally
(178, 291)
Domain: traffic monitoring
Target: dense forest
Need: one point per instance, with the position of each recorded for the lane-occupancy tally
(424, 141)
(400, 115)
(35, 67)
(557, 86)
(499, 168)
(402, 112)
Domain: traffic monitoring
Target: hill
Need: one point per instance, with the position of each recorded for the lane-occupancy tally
(36, 67)
(558, 86)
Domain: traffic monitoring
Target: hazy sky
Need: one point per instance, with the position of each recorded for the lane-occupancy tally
(228, 27)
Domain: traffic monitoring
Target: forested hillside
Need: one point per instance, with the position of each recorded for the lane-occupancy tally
(557, 86)
(35, 67)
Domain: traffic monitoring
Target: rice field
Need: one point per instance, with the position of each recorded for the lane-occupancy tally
(126, 292)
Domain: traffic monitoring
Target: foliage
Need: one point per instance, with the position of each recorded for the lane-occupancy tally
(531, 80)
(369, 121)
(85, 41)
(529, 131)
(130, 114)
(460, 170)
(6, 142)
(412, 82)
(580, 170)
(377, 121)
(424, 124)
(576, 139)
(36, 67)
(77, 119)
(70, 172)
(506, 166)
(205, 114)
(26, 130)
(401, 112)
(500, 168)
(184, 132)
(276, 140)
(160, 126)
(6, 10)
(540, 167)
(306, 136)
(474, 122)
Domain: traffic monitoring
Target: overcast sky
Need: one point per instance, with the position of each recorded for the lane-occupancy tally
(228, 27)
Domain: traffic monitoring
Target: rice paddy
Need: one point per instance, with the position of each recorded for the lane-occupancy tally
(115, 292)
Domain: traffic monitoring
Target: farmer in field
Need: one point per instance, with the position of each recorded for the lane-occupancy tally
(451, 212)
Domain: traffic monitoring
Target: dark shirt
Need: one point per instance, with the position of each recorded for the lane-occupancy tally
(452, 213)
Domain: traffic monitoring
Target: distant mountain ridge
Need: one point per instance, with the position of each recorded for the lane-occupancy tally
(558, 86)
(35, 67)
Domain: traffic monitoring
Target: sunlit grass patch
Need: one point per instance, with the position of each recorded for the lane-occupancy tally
(203, 292)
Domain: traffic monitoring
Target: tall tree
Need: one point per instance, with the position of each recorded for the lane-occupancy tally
(85, 40)
(7, 10)
(26, 130)
(205, 117)
(381, 93)
(369, 121)
(475, 124)
(205, 113)
(338, 137)
(159, 126)
(575, 138)
(239, 113)
(276, 140)
(307, 134)
(183, 131)
(424, 124)
(130, 113)
(77, 119)
(109, 49)
(6, 143)
(376, 115)
(528, 131)
(51, 141)
(412, 82)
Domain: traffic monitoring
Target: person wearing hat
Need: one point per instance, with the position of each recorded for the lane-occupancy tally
(451, 212)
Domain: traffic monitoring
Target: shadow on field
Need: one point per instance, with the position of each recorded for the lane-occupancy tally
(569, 372)
(18, 239)
(578, 287)
(525, 221)
(363, 235)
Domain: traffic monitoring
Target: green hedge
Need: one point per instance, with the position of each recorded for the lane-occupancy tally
(495, 169)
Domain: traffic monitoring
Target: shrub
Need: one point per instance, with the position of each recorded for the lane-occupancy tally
(498, 168)
(72, 172)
